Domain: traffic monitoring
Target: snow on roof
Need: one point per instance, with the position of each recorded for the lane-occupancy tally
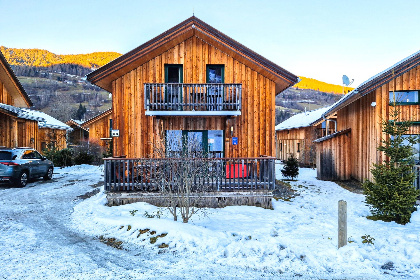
(20, 113)
(48, 121)
(302, 120)
(79, 122)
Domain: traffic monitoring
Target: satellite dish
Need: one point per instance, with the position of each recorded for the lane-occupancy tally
(346, 81)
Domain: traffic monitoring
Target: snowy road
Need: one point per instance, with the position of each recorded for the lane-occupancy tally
(38, 242)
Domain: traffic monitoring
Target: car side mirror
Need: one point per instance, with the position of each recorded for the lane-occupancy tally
(43, 158)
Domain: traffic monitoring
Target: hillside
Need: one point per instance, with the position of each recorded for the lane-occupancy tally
(56, 84)
(43, 58)
(309, 83)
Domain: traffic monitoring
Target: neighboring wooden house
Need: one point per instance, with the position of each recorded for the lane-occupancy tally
(52, 133)
(20, 126)
(295, 136)
(79, 134)
(195, 81)
(99, 128)
(351, 152)
(17, 128)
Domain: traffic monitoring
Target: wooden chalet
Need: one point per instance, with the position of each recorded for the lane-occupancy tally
(79, 134)
(20, 126)
(195, 81)
(351, 151)
(295, 136)
(99, 128)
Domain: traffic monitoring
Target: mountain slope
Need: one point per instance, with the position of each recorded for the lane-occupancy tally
(44, 58)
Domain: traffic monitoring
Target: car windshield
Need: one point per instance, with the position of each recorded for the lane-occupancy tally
(5, 155)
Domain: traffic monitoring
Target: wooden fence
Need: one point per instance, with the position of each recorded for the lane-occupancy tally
(216, 174)
(192, 97)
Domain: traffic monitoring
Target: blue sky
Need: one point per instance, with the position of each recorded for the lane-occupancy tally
(317, 39)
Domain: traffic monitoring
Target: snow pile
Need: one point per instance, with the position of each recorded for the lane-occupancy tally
(298, 237)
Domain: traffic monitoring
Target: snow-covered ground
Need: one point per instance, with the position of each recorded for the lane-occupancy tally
(48, 232)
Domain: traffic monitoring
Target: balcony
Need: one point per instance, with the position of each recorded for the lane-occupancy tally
(176, 99)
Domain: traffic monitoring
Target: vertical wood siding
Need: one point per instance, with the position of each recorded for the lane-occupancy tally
(99, 129)
(48, 135)
(5, 97)
(139, 133)
(333, 156)
(365, 122)
(17, 133)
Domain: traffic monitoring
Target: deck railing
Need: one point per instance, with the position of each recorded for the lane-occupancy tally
(159, 98)
(222, 174)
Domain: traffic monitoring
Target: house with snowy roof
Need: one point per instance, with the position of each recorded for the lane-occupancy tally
(352, 150)
(295, 135)
(78, 134)
(99, 128)
(20, 126)
(194, 82)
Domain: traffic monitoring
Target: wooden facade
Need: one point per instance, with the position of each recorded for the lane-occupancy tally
(296, 135)
(362, 111)
(78, 134)
(194, 45)
(298, 142)
(14, 130)
(99, 128)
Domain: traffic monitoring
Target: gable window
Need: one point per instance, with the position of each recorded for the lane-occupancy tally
(404, 97)
(215, 73)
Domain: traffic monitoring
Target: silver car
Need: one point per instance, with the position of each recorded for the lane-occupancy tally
(18, 165)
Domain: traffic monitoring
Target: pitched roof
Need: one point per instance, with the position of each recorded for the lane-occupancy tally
(376, 81)
(47, 121)
(97, 117)
(186, 29)
(303, 119)
(13, 85)
(19, 113)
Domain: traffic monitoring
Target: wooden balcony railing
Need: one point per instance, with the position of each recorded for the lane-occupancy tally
(221, 174)
(192, 99)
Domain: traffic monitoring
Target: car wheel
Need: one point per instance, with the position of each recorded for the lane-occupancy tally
(49, 174)
(22, 180)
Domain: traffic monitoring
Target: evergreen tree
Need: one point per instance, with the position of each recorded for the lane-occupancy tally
(291, 167)
(392, 196)
(80, 113)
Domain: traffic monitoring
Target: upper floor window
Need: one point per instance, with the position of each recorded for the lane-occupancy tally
(215, 73)
(173, 73)
(404, 97)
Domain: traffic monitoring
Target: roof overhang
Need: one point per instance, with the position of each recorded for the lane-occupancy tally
(104, 114)
(104, 76)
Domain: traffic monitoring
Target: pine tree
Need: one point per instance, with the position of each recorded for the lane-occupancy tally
(80, 114)
(291, 167)
(392, 196)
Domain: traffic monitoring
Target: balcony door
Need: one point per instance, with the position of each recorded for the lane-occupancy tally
(215, 75)
(194, 143)
(173, 92)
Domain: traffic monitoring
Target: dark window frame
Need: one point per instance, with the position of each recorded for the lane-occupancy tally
(395, 93)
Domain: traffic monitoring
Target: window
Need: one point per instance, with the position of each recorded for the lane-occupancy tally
(198, 143)
(215, 75)
(404, 97)
(173, 93)
(298, 147)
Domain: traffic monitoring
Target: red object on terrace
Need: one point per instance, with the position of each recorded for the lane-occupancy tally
(236, 171)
